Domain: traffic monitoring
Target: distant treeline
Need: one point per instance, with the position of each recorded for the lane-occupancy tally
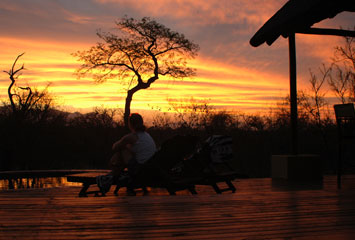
(51, 139)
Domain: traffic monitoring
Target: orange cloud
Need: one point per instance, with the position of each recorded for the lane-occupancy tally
(205, 12)
(318, 46)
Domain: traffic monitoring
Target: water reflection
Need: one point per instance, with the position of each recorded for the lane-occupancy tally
(35, 182)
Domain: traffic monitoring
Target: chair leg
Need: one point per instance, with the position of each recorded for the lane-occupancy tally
(231, 186)
(83, 190)
(145, 191)
(116, 190)
(192, 189)
(216, 188)
(339, 165)
(171, 191)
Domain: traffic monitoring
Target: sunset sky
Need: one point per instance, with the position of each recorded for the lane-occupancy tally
(231, 74)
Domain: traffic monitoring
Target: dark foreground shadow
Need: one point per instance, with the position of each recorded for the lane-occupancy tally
(296, 185)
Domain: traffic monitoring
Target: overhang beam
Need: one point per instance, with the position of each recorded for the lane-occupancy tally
(327, 31)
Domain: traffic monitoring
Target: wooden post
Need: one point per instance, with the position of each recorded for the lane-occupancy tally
(293, 92)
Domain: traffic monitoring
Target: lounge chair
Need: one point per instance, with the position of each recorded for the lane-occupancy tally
(212, 164)
(177, 166)
(155, 172)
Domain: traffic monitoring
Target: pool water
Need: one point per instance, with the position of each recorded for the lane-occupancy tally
(44, 182)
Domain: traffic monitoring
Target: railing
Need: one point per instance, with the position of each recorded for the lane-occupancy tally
(36, 178)
(345, 117)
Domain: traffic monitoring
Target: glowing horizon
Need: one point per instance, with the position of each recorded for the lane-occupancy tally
(231, 74)
(58, 71)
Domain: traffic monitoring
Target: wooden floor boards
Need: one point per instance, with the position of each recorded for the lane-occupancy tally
(260, 209)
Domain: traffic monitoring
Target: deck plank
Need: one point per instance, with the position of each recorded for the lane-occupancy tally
(260, 209)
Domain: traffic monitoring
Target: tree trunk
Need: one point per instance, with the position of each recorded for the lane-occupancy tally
(127, 109)
(13, 106)
(139, 86)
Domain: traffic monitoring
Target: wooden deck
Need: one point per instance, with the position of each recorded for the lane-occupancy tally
(260, 209)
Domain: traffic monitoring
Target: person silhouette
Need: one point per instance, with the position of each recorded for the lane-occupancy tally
(133, 149)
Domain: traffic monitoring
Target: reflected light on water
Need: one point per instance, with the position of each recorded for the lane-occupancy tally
(23, 183)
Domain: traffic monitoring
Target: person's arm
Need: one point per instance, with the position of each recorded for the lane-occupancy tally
(124, 141)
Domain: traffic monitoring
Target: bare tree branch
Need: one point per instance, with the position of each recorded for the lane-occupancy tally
(342, 82)
(24, 99)
(143, 51)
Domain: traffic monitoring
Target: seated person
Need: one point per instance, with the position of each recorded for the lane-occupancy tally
(133, 149)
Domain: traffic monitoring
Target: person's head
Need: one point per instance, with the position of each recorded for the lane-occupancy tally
(135, 122)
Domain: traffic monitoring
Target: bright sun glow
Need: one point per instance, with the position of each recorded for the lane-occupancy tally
(224, 86)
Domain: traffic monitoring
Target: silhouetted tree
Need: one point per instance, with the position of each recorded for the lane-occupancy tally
(13, 75)
(144, 50)
(100, 117)
(314, 102)
(27, 101)
(280, 116)
(254, 123)
(191, 113)
(342, 81)
(223, 121)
